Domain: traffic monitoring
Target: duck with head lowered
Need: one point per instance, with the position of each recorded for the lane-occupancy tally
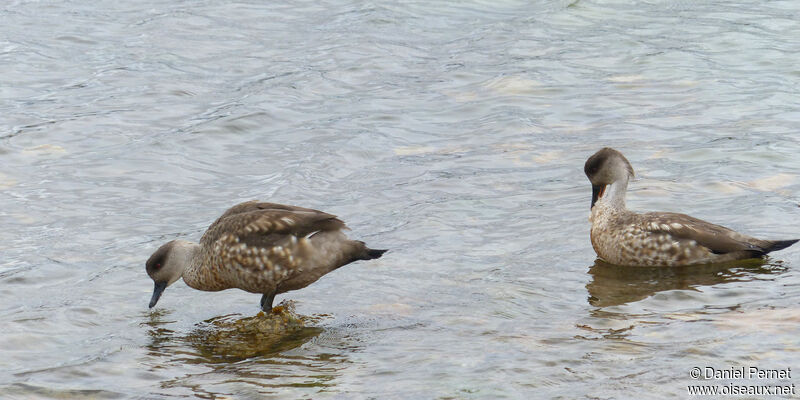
(258, 247)
(623, 237)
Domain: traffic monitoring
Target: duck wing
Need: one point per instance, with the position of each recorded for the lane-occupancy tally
(718, 239)
(268, 224)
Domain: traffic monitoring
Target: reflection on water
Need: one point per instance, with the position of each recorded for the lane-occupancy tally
(231, 338)
(223, 339)
(235, 350)
(613, 285)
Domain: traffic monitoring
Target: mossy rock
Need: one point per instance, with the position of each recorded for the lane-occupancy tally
(229, 337)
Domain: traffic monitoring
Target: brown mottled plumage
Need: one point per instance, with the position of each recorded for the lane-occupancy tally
(623, 237)
(258, 247)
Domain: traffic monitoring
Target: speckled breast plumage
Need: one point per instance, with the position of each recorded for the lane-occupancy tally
(234, 264)
(625, 238)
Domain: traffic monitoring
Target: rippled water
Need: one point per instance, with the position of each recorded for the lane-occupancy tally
(453, 133)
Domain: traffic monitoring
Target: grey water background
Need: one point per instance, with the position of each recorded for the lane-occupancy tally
(452, 133)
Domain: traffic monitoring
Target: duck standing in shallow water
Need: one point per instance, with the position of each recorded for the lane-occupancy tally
(623, 237)
(258, 247)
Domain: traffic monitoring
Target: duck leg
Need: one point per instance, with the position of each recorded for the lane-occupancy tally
(266, 301)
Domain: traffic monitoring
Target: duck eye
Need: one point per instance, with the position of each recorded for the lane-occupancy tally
(158, 265)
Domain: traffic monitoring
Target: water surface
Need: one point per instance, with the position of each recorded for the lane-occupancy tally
(453, 133)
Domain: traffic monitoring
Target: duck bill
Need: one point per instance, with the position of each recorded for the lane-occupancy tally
(597, 193)
(157, 290)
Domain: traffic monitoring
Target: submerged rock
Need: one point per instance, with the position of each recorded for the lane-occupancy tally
(281, 320)
(232, 337)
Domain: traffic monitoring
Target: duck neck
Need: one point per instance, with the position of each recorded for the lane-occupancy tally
(614, 196)
(187, 254)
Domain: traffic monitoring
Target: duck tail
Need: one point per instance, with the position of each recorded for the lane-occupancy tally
(371, 254)
(365, 253)
(779, 244)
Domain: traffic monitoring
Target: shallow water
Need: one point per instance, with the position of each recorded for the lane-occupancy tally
(453, 133)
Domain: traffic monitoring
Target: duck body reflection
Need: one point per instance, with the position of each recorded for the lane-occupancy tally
(614, 285)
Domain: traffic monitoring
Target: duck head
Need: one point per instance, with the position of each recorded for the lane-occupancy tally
(167, 264)
(608, 167)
